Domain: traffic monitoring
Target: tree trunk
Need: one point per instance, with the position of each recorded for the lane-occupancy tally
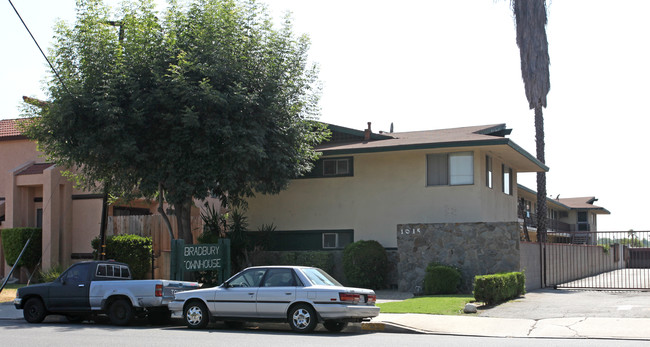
(522, 212)
(162, 212)
(184, 221)
(541, 176)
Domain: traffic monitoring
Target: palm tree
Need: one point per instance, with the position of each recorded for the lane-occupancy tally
(530, 18)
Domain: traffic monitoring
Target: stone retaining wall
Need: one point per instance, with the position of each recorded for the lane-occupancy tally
(474, 248)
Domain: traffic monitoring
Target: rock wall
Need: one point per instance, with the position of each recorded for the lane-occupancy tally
(474, 248)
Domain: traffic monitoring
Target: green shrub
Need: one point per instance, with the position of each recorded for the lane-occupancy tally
(13, 241)
(497, 288)
(441, 279)
(134, 250)
(365, 264)
(51, 274)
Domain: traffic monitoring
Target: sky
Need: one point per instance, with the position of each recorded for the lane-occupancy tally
(425, 65)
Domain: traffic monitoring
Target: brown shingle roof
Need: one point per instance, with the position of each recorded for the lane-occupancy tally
(490, 137)
(9, 130)
(35, 169)
(581, 202)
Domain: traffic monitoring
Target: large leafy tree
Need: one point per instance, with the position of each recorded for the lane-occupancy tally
(530, 17)
(207, 98)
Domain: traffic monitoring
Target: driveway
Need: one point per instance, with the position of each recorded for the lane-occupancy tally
(564, 303)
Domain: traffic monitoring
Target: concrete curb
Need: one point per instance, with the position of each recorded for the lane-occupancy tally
(389, 327)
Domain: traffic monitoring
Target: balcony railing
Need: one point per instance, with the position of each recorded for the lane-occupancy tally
(551, 224)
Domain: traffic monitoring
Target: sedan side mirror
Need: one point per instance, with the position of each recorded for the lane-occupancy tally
(226, 284)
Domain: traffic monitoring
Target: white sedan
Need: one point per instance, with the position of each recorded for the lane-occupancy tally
(302, 296)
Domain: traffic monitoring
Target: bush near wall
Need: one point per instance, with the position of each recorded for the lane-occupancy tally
(13, 241)
(441, 279)
(134, 250)
(497, 288)
(365, 264)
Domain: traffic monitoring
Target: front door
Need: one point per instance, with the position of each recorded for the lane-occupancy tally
(70, 292)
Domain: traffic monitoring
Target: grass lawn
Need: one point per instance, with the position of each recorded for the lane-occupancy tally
(9, 292)
(439, 304)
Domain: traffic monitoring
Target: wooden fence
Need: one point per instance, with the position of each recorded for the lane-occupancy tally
(152, 226)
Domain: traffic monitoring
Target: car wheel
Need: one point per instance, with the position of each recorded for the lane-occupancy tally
(335, 326)
(196, 315)
(34, 310)
(302, 318)
(120, 312)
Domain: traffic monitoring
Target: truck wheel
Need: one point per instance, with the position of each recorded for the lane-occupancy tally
(34, 310)
(302, 318)
(120, 312)
(335, 326)
(196, 315)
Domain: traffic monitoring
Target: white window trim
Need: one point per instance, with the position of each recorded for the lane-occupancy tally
(336, 241)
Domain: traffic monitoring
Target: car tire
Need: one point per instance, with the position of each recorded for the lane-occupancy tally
(302, 318)
(120, 312)
(196, 315)
(34, 310)
(335, 326)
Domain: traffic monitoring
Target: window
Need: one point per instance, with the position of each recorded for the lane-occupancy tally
(307, 240)
(112, 271)
(507, 180)
(488, 171)
(450, 169)
(248, 278)
(331, 167)
(76, 274)
(279, 278)
(319, 277)
(330, 240)
(336, 167)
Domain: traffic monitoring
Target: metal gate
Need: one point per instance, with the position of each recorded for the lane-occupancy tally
(612, 260)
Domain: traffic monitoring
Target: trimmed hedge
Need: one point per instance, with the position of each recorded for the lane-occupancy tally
(134, 250)
(441, 279)
(13, 241)
(497, 288)
(365, 264)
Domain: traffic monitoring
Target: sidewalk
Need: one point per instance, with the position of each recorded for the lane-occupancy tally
(471, 325)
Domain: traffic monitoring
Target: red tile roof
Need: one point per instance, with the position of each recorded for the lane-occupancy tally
(35, 169)
(9, 130)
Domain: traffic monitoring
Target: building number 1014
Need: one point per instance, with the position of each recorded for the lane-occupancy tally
(409, 231)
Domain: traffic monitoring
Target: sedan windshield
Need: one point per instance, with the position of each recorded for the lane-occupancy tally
(319, 277)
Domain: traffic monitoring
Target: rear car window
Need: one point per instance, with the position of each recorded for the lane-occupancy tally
(319, 277)
(112, 271)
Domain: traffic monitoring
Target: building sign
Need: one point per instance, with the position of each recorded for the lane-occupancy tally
(202, 257)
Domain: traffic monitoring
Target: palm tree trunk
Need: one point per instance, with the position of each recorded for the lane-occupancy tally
(541, 176)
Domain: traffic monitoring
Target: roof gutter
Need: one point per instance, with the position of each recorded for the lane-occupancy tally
(454, 144)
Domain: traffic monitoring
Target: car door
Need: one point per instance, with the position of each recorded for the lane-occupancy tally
(70, 292)
(277, 291)
(237, 298)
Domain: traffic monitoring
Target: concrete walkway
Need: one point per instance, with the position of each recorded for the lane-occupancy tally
(540, 314)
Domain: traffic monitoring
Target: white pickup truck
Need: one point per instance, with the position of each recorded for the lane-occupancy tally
(100, 287)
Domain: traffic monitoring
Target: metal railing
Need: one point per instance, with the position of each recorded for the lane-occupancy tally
(611, 260)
